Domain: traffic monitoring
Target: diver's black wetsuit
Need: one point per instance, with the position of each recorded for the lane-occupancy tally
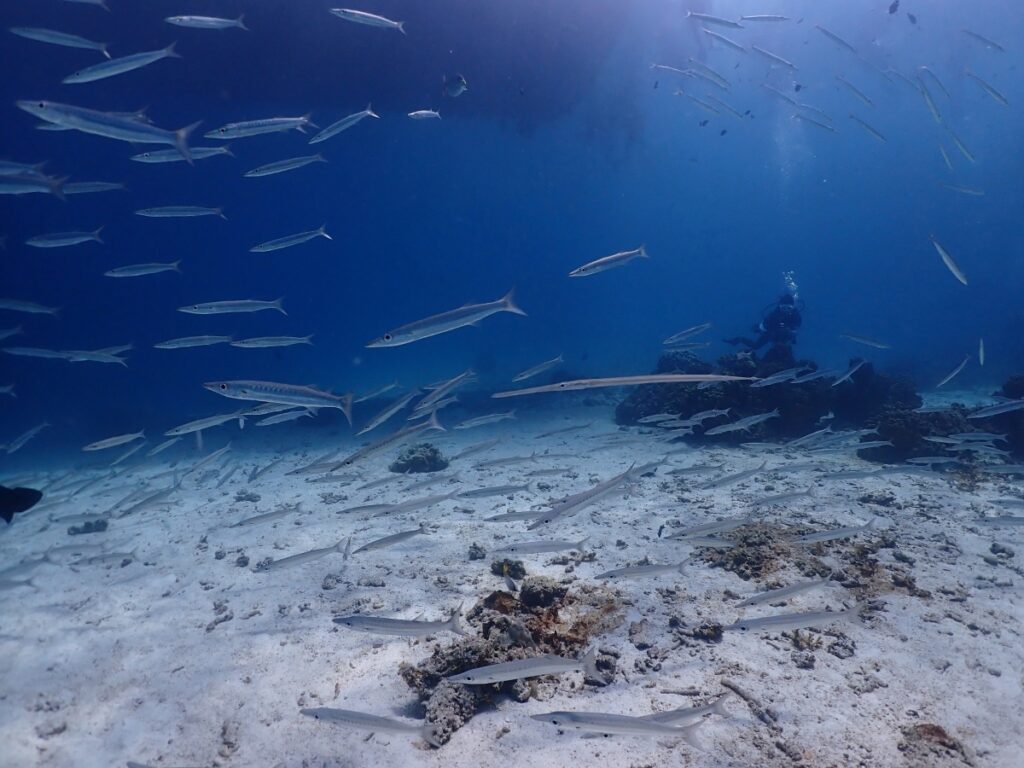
(778, 327)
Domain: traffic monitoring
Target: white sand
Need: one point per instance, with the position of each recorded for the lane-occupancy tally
(102, 664)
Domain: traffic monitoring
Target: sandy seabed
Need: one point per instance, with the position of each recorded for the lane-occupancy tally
(180, 653)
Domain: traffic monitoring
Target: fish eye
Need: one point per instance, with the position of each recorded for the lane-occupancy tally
(387, 337)
(42, 104)
(223, 387)
(554, 722)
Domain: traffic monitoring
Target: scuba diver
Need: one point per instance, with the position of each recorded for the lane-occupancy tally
(778, 323)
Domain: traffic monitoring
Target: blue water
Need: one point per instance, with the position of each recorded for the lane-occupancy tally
(566, 147)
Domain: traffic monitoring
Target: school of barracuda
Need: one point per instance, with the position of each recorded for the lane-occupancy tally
(139, 484)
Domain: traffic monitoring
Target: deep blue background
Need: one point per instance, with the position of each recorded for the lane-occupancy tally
(567, 147)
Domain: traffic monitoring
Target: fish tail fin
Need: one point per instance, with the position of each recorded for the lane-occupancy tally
(308, 120)
(579, 544)
(181, 140)
(96, 234)
(170, 52)
(226, 149)
(276, 304)
(508, 303)
(346, 406)
(590, 670)
(176, 266)
(57, 187)
(220, 212)
(434, 423)
(323, 231)
(689, 735)
(240, 22)
(370, 112)
(401, 27)
(718, 707)
(319, 158)
(455, 625)
(643, 251)
(103, 50)
(308, 339)
(430, 735)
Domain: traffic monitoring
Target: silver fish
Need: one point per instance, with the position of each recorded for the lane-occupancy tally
(173, 156)
(984, 41)
(715, 526)
(476, 448)
(787, 621)
(389, 411)
(640, 571)
(162, 447)
(281, 166)
(283, 394)
(289, 240)
(835, 38)
(524, 668)
(774, 58)
(387, 541)
(268, 342)
(368, 19)
(266, 517)
(395, 438)
(538, 369)
(64, 239)
(376, 392)
(30, 307)
(412, 505)
(621, 381)
(569, 505)
(616, 725)
(229, 307)
(180, 212)
(304, 557)
(609, 262)
(995, 410)
(109, 125)
(366, 722)
(855, 91)
(949, 261)
(110, 442)
(952, 374)
(187, 342)
(870, 130)
(53, 37)
(783, 593)
(19, 442)
(120, 65)
(469, 314)
(540, 547)
(139, 270)
(490, 418)
(200, 424)
(707, 18)
(849, 374)
(494, 490)
(835, 534)
(377, 625)
(425, 114)
(346, 122)
(207, 22)
(688, 333)
(91, 187)
(258, 127)
(724, 480)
